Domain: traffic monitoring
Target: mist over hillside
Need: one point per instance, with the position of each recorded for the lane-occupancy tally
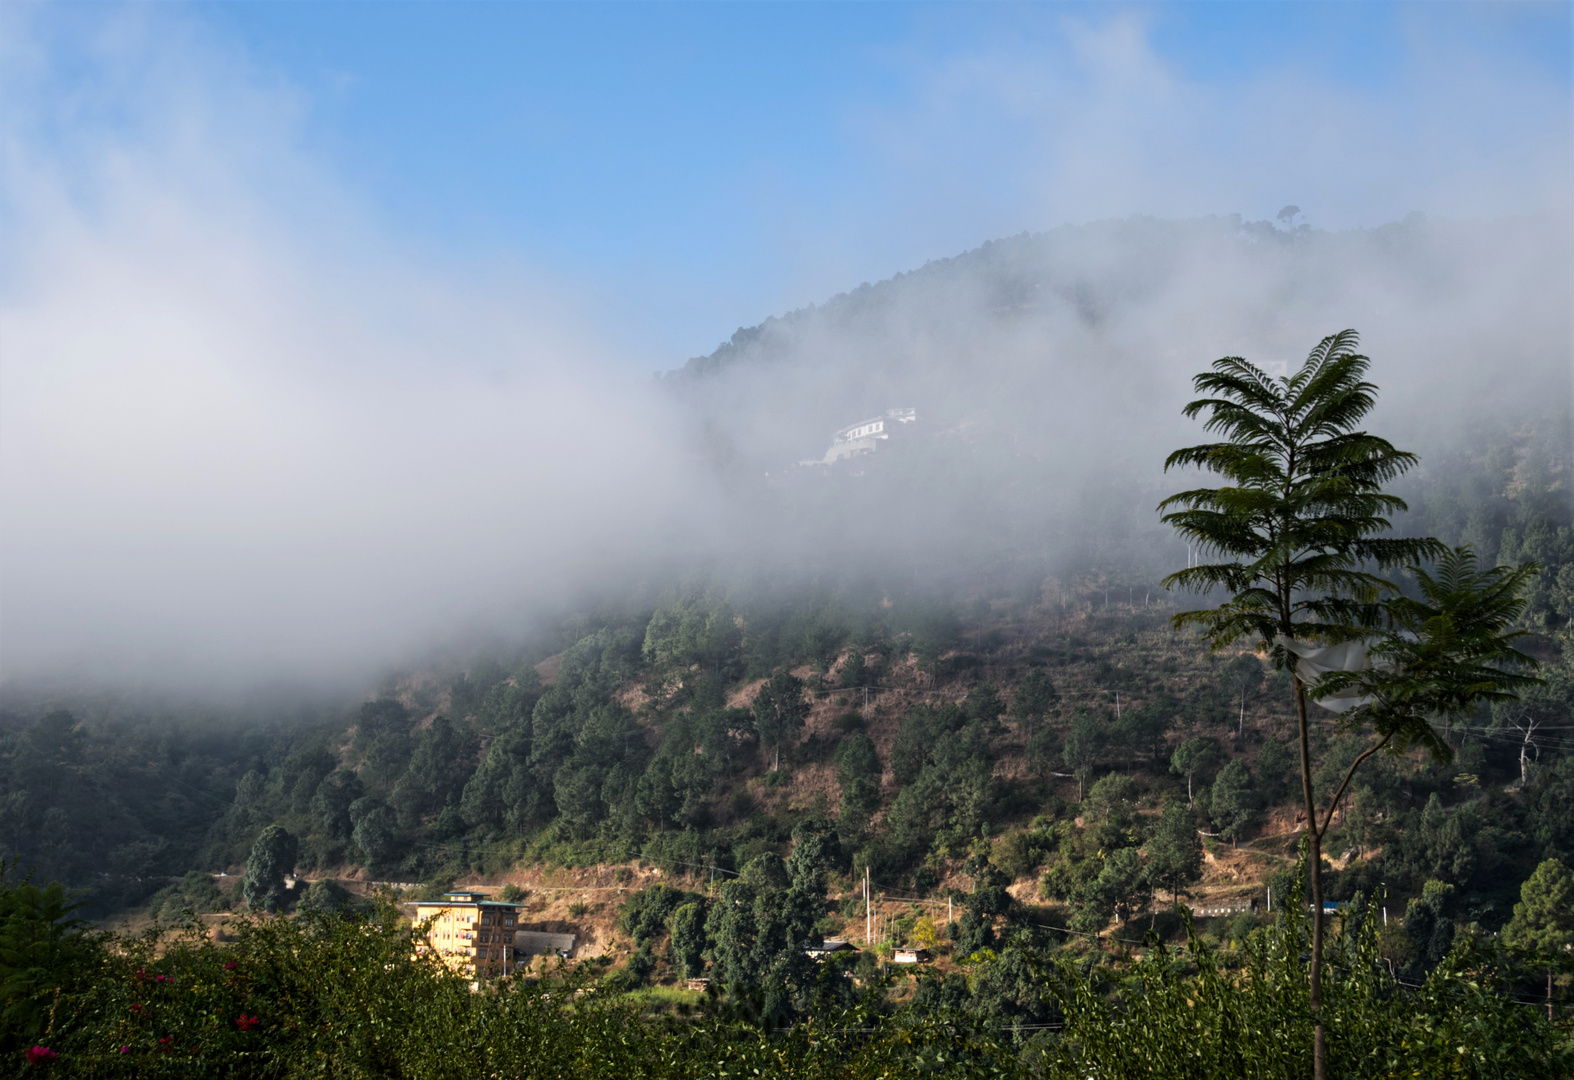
(1048, 372)
(415, 667)
(314, 529)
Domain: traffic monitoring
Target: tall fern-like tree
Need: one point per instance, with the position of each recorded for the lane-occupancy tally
(1296, 537)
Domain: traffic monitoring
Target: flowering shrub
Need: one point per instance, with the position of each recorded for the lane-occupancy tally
(345, 996)
(39, 1055)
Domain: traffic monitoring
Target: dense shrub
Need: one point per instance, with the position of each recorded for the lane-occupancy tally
(346, 995)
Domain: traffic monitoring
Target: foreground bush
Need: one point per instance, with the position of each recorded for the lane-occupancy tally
(1190, 1015)
(333, 995)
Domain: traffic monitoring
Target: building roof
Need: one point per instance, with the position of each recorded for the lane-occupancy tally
(464, 899)
(830, 945)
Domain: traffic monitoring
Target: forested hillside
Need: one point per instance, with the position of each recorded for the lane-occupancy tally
(1060, 722)
(929, 697)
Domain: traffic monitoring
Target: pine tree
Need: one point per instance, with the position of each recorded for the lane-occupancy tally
(1234, 800)
(780, 709)
(272, 857)
(1194, 756)
(1544, 917)
(688, 939)
(1175, 850)
(1035, 698)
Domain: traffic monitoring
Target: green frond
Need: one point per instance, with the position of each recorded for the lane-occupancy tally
(1444, 653)
(1295, 532)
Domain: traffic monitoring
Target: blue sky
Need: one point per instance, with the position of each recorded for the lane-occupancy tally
(680, 169)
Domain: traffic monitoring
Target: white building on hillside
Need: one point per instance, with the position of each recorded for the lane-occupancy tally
(864, 436)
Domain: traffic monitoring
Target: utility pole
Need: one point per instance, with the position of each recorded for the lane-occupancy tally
(868, 921)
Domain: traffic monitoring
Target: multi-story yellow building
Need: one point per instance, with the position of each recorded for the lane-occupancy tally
(470, 934)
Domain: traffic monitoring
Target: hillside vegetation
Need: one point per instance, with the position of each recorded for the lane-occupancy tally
(981, 737)
(1042, 715)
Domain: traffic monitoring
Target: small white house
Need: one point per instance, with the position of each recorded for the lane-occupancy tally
(829, 946)
(864, 436)
(541, 943)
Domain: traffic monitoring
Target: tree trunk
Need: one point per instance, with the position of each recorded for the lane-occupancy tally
(1315, 853)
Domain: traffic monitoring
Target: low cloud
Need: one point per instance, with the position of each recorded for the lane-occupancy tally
(247, 433)
(242, 435)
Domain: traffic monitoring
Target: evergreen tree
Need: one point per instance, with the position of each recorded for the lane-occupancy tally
(988, 900)
(688, 939)
(1275, 763)
(780, 709)
(332, 800)
(1121, 880)
(1234, 799)
(1194, 756)
(376, 832)
(324, 896)
(1035, 699)
(814, 854)
(1083, 744)
(1430, 926)
(1175, 850)
(984, 707)
(502, 792)
(760, 928)
(854, 670)
(44, 949)
(858, 775)
(1112, 797)
(272, 857)
(1544, 917)
(440, 763)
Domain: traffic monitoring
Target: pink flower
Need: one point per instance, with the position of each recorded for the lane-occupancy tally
(125, 1049)
(246, 1023)
(229, 965)
(39, 1055)
(136, 1006)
